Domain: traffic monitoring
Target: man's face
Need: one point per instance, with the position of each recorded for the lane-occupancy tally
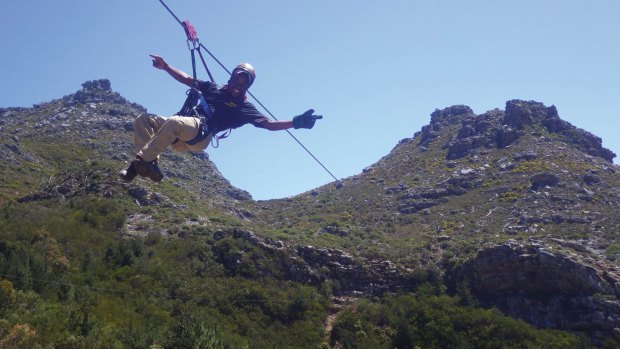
(238, 84)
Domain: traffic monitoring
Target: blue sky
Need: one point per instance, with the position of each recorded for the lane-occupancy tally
(374, 69)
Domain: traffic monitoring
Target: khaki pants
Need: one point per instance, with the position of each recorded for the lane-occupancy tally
(153, 134)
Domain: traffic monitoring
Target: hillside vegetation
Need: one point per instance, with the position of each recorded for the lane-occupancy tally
(497, 230)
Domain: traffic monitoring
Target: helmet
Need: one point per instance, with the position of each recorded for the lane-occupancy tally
(245, 68)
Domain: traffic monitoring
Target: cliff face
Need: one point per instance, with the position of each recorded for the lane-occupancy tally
(546, 288)
(516, 205)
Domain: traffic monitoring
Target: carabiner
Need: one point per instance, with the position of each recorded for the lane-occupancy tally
(195, 44)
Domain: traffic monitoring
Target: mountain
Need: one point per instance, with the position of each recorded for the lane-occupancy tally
(505, 221)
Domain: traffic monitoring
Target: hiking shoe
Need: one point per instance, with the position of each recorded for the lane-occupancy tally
(129, 174)
(148, 169)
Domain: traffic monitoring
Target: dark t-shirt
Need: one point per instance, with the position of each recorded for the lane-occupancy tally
(229, 112)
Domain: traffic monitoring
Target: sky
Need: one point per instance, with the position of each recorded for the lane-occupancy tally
(374, 69)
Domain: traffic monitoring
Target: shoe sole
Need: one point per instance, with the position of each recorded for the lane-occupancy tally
(155, 177)
(123, 175)
(143, 171)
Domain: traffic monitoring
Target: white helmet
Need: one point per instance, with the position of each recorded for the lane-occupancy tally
(247, 69)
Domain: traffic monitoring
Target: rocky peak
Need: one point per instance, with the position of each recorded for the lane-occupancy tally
(442, 118)
(96, 91)
(500, 129)
(521, 113)
(101, 84)
(450, 115)
(97, 123)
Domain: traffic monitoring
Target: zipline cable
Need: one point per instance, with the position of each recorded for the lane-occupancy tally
(172, 13)
(251, 95)
(273, 116)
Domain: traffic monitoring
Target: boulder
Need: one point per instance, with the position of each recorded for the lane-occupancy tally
(591, 179)
(414, 206)
(427, 135)
(522, 113)
(542, 179)
(505, 136)
(459, 148)
(529, 156)
(451, 115)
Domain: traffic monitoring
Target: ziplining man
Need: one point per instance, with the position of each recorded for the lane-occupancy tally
(226, 108)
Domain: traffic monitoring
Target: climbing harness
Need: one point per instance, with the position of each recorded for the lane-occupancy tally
(192, 105)
(195, 104)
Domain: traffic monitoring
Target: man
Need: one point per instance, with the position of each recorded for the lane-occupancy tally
(227, 109)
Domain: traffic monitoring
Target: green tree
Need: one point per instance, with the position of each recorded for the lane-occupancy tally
(7, 296)
(192, 332)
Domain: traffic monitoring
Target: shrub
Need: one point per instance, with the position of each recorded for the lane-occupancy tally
(439, 321)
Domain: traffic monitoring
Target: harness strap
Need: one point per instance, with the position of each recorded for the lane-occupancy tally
(191, 50)
(205, 64)
(203, 132)
(196, 106)
(205, 106)
(215, 141)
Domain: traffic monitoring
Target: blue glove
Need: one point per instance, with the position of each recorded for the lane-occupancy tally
(306, 120)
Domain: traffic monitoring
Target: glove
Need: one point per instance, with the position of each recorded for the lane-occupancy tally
(306, 120)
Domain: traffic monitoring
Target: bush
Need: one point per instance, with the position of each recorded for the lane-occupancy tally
(438, 321)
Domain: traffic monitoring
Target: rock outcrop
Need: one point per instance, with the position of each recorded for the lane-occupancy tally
(96, 91)
(500, 129)
(520, 114)
(545, 288)
(313, 265)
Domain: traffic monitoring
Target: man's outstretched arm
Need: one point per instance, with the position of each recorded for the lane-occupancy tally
(177, 74)
(305, 120)
(276, 125)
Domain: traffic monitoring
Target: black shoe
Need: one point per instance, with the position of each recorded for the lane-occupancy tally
(129, 174)
(148, 169)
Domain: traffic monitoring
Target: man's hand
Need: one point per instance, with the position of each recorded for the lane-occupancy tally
(306, 120)
(178, 75)
(158, 62)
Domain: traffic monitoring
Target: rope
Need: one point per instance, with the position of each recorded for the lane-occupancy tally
(205, 65)
(172, 13)
(297, 140)
(250, 93)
